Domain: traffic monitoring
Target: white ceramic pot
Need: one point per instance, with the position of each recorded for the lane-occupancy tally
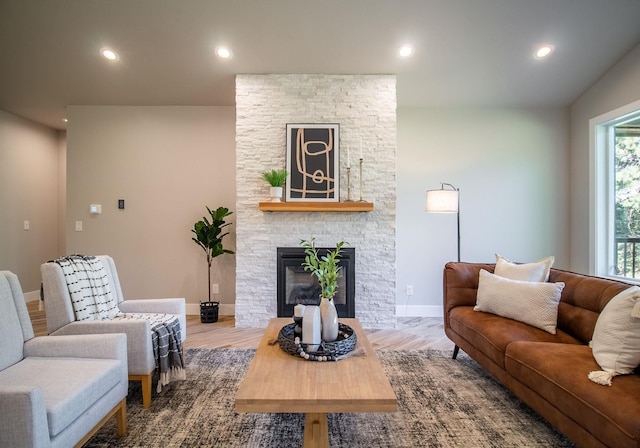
(275, 193)
(329, 317)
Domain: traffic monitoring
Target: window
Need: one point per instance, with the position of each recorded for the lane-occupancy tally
(627, 198)
(616, 193)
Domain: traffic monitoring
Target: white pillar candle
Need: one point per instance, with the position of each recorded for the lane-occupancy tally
(348, 157)
(361, 148)
(298, 310)
(311, 328)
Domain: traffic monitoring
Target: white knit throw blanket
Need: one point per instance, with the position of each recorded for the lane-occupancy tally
(89, 289)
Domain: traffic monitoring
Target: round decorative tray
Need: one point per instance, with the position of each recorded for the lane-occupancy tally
(345, 343)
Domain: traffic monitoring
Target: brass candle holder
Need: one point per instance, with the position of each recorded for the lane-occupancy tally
(349, 184)
(361, 181)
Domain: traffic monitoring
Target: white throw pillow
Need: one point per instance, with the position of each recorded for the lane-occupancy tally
(538, 271)
(534, 303)
(616, 337)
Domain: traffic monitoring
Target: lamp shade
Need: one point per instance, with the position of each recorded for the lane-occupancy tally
(442, 201)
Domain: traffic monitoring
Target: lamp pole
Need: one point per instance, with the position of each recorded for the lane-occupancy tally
(458, 226)
(457, 190)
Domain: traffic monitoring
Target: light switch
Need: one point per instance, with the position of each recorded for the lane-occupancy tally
(78, 226)
(27, 225)
(95, 209)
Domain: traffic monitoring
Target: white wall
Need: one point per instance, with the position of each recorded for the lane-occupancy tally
(619, 87)
(168, 163)
(511, 166)
(29, 174)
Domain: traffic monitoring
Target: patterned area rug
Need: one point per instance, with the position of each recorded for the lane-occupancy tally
(442, 403)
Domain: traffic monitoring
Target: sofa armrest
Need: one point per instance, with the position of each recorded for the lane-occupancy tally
(134, 329)
(164, 306)
(24, 417)
(103, 346)
(167, 306)
(139, 346)
(460, 285)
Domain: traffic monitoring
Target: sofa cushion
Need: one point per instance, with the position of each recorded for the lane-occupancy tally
(616, 337)
(491, 334)
(534, 303)
(538, 271)
(70, 386)
(558, 373)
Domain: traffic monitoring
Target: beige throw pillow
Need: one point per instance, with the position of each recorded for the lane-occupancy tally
(616, 337)
(538, 271)
(534, 303)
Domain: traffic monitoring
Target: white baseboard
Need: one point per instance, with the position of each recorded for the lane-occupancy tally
(32, 296)
(229, 309)
(224, 309)
(419, 311)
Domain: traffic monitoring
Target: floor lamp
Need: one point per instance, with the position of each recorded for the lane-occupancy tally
(445, 200)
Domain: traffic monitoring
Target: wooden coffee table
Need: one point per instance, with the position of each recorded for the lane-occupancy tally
(277, 382)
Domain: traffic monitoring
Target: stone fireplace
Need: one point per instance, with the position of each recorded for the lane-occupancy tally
(365, 108)
(295, 285)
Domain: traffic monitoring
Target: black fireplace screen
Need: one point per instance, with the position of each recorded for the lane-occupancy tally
(295, 285)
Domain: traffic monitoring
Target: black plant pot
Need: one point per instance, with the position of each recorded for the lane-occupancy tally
(209, 312)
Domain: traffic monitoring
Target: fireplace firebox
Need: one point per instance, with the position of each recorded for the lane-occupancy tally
(295, 285)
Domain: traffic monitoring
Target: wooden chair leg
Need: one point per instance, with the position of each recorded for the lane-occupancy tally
(121, 418)
(146, 390)
(146, 380)
(120, 412)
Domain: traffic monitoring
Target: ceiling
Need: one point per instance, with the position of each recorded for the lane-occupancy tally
(468, 53)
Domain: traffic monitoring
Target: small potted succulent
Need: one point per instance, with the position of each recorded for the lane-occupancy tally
(276, 179)
(209, 237)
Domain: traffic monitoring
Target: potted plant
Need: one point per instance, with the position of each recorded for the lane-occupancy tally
(326, 269)
(276, 179)
(209, 237)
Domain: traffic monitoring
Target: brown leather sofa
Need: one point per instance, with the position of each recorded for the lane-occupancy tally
(548, 372)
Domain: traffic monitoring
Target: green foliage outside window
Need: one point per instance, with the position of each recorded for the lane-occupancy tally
(627, 204)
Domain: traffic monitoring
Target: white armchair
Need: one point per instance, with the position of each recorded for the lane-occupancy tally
(61, 320)
(55, 392)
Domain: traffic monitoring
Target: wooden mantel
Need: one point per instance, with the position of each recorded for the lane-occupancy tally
(316, 206)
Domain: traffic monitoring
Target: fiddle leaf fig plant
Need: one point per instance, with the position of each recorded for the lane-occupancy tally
(209, 236)
(324, 267)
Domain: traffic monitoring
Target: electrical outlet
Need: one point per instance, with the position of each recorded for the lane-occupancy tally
(215, 288)
(409, 290)
(27, 225)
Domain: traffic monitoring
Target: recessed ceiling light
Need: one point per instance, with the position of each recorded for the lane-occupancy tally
(109, 54)
(224, 53)
(65, 120)
(543, 51)
(405, 51)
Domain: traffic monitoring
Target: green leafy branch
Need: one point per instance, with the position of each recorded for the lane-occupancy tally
(325, 267)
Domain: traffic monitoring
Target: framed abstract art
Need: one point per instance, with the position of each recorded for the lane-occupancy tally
(313, 156)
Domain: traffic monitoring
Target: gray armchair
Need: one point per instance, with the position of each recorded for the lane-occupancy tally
(61, 320)
(55, 392)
